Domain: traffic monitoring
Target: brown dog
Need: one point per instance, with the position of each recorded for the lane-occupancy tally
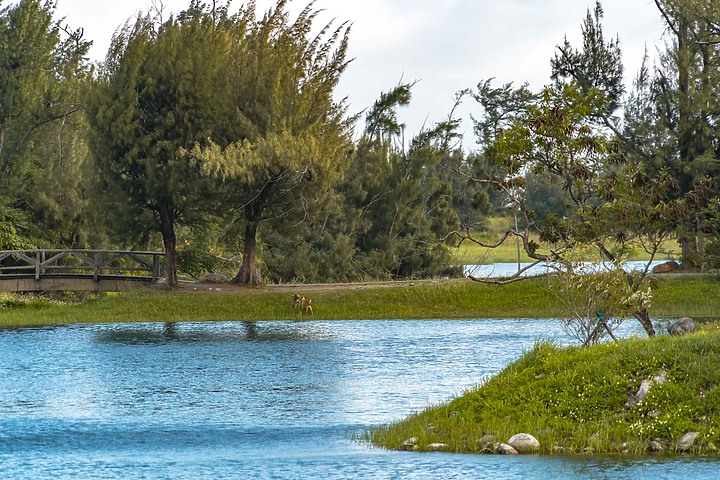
(297, 300)
(306, 305)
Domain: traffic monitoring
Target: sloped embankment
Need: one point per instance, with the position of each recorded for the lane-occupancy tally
(576, 400)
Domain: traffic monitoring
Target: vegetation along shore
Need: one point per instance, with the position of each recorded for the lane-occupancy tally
(578, 400)
(674, 296)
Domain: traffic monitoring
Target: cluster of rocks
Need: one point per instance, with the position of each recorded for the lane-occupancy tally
(517, 444)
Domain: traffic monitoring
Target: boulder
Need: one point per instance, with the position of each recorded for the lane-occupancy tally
(409, 444)
(655, 447)
(640, 395)
(505, 449)
(524, 443)
(644, 389)
(686, 441)
(213, 278)
(667, 267)
(682, 326)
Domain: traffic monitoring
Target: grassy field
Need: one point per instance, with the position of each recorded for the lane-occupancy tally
(672, 297)
(573, 401)
(470, 253)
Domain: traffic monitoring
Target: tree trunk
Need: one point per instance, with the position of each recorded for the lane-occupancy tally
(248, 273)
(644, 318)
(167, 229)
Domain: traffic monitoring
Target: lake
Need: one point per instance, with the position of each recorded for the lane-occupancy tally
(504, 270)
(262, 400)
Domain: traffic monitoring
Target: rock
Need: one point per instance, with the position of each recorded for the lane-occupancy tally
(655, 414)
(642, 392)
(409, 444)
(505, 449)
(213, 278)
(686, 441)
(486, 443)
(660, 378)
(524, 443)
(644, 389)
(667, 267)
(559, 449)
(655, 447)
(682, 326)
(436, 447)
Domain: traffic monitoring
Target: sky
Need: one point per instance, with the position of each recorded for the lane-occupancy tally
(444, 45)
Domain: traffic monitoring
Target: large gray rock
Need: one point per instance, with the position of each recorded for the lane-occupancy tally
(505, 449)
(524, 443)
(682, 326)
(686, 441)
(213, 278)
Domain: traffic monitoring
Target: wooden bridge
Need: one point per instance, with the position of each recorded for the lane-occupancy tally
(76, 270)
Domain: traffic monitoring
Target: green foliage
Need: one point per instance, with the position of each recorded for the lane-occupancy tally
(196, 258)
(283, 139)
(595, 301)
(598, 66)
(671, 119)
(43, 158)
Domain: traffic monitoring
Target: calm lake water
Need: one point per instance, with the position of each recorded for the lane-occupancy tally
(504, 270)
(264, 400)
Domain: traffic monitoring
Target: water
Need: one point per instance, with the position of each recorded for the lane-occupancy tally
(266, 400)
(504, 270)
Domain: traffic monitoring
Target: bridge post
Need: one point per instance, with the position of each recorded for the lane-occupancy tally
(38, 262)
(156, 267)
(96, 265)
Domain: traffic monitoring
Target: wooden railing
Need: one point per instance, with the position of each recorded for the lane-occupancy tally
(97, 265)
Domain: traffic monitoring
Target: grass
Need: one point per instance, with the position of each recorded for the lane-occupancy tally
(572, 400)
(672, 297)
(470, 253)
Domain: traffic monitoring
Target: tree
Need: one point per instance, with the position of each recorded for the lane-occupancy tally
(612, 203)
(596, 300)
(285, 137)
(685, 101)
(155, 98)
(670, 117)
(407, 197)
(42, 65)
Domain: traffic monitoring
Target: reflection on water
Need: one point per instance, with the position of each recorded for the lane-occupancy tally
(171, 332)
(265, 400)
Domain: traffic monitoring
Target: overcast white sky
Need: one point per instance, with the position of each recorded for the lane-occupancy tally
(447, 45)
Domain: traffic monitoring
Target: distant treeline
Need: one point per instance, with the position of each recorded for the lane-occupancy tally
(215, 136)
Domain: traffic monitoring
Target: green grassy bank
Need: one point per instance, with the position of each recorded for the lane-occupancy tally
(572, 400)
(695, 296)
